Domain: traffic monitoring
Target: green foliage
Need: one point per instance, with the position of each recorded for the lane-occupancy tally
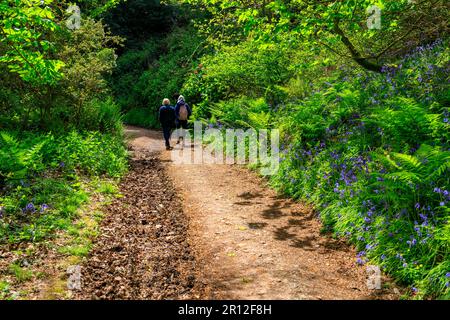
(228, 73)
(23, 42)
(5, 293)
(338, 26)
(20, 273)
(96, 8)
(371, 153)
(144, 77)
(243, 113)
(67, 99)
(145, 118)
(41, 185)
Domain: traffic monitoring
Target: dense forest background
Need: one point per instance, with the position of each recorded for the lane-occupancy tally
(363, 111)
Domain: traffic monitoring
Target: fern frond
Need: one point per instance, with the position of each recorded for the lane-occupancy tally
(405, 177)
(8, 139)
(407, 161)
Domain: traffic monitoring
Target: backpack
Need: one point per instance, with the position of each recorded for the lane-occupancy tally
(183, 114)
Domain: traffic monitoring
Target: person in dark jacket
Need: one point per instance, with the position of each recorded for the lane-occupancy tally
(167, 120)
(182, 114)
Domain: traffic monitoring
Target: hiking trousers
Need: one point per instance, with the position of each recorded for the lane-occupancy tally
(167, 131)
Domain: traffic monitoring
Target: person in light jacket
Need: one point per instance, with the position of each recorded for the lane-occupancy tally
(182, 114)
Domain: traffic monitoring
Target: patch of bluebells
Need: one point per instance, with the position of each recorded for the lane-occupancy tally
(348, 178)
(361, 258)
(31, 208)
(445, 196)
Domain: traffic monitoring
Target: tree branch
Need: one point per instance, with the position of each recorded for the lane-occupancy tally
(356, 56)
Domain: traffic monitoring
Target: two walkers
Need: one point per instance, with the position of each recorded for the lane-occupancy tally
(174, 117)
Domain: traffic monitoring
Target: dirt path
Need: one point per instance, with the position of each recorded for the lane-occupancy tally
(142, 251)
(252, 244)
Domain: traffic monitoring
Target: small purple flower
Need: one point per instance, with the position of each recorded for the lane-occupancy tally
(360, 261)
(383, 257)
(447, 274)
(44, 207)
(417, 206)
(30, 208)
(414, 289)
(412, 243)
(62, 164)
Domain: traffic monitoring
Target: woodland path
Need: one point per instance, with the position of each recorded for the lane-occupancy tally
(220, 233)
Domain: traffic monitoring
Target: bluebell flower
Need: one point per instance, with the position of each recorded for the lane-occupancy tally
(447, 274)
(417, 206)
(30, 208)
(412, 242)
(360, 261)
(44, 207)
